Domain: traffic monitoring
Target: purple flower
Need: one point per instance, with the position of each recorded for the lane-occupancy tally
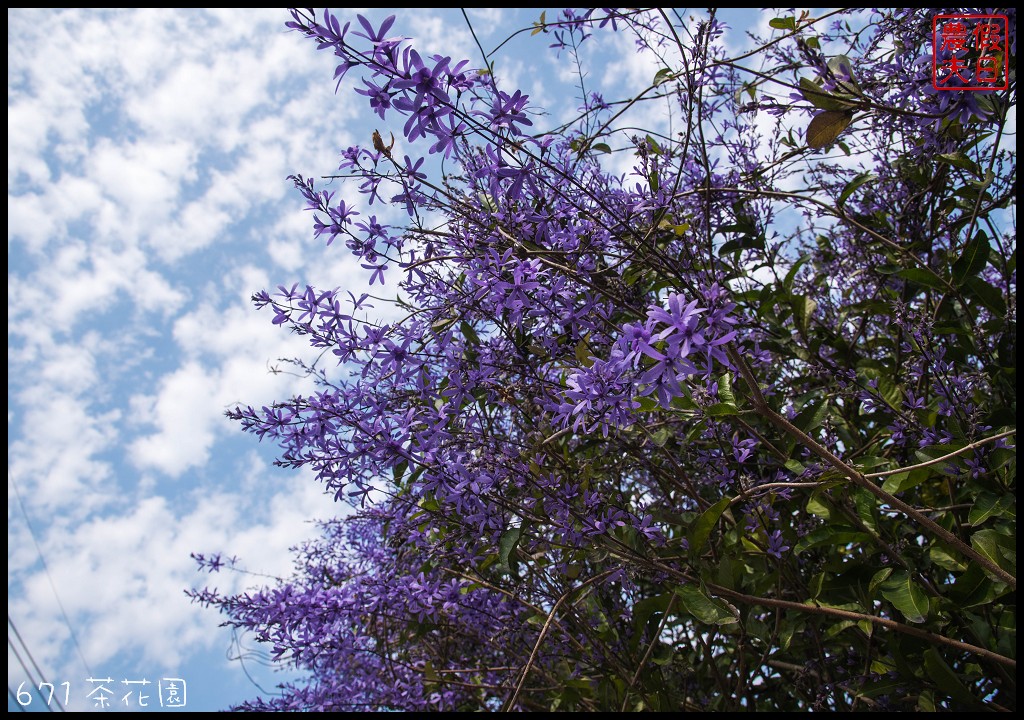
(776, 544)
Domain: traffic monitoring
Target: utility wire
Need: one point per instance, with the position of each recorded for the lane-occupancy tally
(42, 678)
(46, 568)
(10, 694)
(32, 681)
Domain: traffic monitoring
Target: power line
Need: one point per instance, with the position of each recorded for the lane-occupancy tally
(32, 681)
(42, 678)
(10, 694)
(46, 568)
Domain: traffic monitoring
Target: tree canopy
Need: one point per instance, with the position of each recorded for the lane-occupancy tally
(731, 429)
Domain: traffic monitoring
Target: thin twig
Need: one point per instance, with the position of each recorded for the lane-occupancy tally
(510, 703)
(849, 615)
(937, 460)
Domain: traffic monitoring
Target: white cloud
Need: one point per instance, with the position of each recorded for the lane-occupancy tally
(139, 141)
(55, 454)
(121, 578)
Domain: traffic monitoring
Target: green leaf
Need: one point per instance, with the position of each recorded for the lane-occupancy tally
(803, 308)
(506, 548)
(989, 505)
(865, 504)
(643, 611)
(851, 186)
(725, 393)
(702, 606)
(469, 333)
(842, 66)
(811, 416)
(399, 470)
(820, 98)
(899, 482)
(837, 535)
(443, 324)
(816, 507)
(974, 589)
(922, 277)
(583, 353)
(906, 595)
(993, 544)
(787, 282)
(945, 559)
(986, 294)
(826, 126)
(601, 147)
(973, 258)
(663, 75)
(946, 680)
(878, 578)
(721, 410)
(662, 436)
(783, 23)
(958, 159)
(795, 466)
(663, 654)
(702, 527)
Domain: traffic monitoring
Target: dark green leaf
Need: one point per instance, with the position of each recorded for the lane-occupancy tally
(662, 654)
(469, 333)
(922, 277)
(506, 548)
(703, 607)
(721, 410)
(803, 309)
(702, 527)
(787, 282)
(944, 559)
(973, 258)
(986, 294)
(644, 610)
(878, 578)
(811, 416)
(974, 589)
(854, 184)
(946, 680)
(837, 535)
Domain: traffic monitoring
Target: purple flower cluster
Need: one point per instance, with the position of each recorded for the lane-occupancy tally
(545, 454)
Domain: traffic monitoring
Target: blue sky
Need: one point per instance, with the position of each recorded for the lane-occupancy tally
(147, 201)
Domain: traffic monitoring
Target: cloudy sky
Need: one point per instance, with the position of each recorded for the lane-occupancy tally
(147, 201)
